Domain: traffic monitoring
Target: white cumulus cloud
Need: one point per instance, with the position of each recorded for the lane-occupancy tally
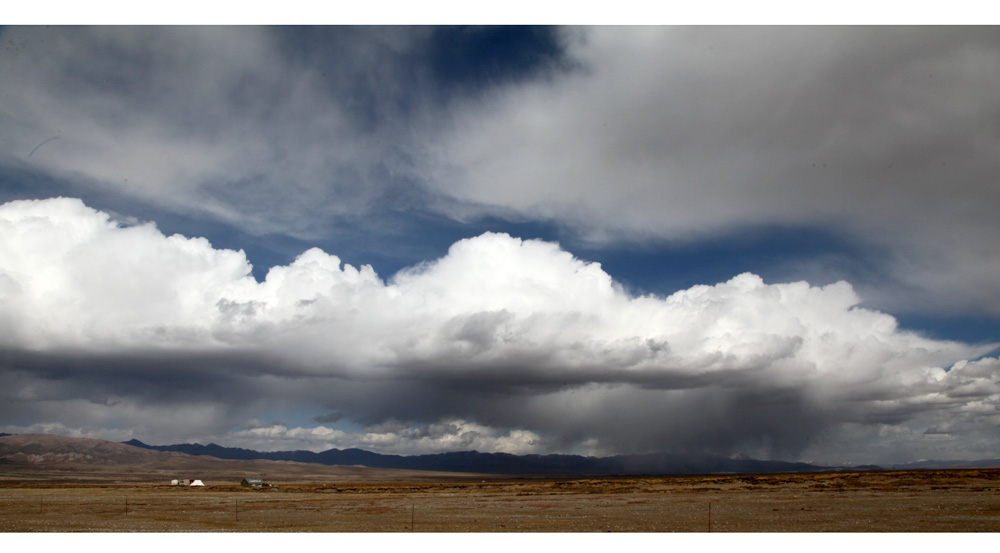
(511, 345)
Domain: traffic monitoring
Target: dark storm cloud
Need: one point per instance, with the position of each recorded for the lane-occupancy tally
(148, 375)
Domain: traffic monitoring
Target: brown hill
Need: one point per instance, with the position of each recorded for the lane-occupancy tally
(47, 448)
(58, 459)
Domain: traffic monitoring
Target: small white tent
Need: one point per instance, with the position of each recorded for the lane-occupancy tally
(197, 483)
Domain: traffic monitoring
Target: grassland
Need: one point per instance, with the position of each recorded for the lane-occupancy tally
(339, 500)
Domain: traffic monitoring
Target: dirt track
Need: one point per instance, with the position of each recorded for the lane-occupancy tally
(935, 501)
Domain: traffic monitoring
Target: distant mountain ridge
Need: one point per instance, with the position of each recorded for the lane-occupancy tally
(44, 448)
(54, 458)
(505, 463)
(939, 464)
(48, 448)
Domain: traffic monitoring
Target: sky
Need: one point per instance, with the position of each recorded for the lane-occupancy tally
(758, 241)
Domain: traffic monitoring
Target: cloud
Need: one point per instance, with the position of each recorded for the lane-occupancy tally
(885, 135)
(60, 429)
(509, 343)
(213, 121)
(395, 438)
(882, 136)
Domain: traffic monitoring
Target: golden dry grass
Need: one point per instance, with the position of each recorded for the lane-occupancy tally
(334, 500)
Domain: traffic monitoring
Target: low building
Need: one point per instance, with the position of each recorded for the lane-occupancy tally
(253, 482)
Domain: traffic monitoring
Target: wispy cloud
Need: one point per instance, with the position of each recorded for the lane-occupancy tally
(216, 121)
(883, 134)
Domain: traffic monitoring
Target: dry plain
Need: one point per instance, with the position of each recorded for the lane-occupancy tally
(310, 498)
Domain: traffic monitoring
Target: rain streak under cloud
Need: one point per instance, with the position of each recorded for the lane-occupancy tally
(483, 170)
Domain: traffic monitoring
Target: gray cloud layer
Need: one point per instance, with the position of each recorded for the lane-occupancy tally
(238, 123)
(502, 344)
(887, 135)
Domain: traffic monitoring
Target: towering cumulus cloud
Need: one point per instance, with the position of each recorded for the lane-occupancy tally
(502, 344)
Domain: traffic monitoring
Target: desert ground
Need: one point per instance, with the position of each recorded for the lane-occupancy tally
(307, 498)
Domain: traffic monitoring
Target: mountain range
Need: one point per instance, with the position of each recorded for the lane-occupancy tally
(457, 462)
(505, 463)
(564, 465)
